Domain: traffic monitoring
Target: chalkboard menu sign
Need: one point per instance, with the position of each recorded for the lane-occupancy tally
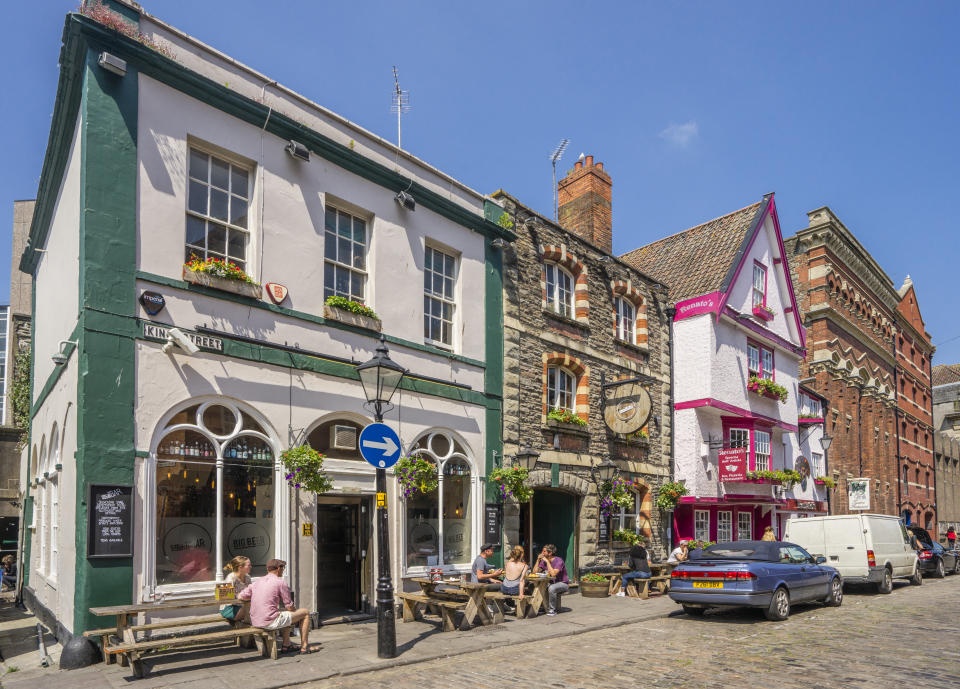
(492, 520)
(110, 521)
(603, 533)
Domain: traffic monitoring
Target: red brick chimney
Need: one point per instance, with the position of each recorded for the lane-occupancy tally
(583, 197)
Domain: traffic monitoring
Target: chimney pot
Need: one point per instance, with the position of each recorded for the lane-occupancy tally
(588, 162)
(577, 165)
(600, 166)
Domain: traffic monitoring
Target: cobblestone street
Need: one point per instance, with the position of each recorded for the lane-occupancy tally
(910, 638)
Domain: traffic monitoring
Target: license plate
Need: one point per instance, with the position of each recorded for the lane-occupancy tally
(708, 584)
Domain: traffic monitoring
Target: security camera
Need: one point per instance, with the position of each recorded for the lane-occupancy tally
(175, 336)
(59, 359)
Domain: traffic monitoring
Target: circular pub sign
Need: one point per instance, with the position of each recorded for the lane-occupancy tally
(802, 466)
(626, 408)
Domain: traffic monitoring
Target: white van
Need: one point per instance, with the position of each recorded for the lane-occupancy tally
(872, 548)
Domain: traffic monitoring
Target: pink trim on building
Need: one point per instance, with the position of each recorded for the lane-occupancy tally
(766, 334)
(744, 413)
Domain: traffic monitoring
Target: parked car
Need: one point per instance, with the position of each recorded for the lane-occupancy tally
(771, 575)
(865, 548)
(934, 558)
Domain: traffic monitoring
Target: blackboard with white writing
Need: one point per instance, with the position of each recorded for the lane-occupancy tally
(491, 524)
(109, 521)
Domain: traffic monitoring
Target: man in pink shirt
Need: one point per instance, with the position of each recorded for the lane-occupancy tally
(265, 596)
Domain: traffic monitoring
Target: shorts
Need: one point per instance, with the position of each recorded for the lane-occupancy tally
(510, 590)
(284, 619)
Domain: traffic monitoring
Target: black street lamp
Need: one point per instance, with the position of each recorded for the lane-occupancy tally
(604, 473)
(526, 458)
(380, 378)
(825, 441)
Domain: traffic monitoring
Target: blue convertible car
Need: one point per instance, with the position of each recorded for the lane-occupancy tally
(771, 575)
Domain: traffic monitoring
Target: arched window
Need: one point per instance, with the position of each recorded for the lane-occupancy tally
(439, 528)
(41, 508)
(53, 502)
(216, 478)
(337, 439)
(560, 389)
(626, 319)
(559, 290)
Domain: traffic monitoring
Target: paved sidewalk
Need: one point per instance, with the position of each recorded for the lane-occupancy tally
(347, 649)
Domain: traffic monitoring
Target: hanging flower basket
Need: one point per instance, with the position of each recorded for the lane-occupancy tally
(512, 481)
(304, 467)
(416, 475)
(669, 495)
(614, 496)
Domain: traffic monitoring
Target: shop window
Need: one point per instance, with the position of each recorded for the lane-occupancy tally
(217, 209)
(701, 525)
(439, 524)
(724, 527)
(216, 478)
(744, 526)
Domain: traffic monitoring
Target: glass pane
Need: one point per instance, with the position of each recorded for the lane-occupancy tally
(218, 204)
(344, 248)
(198, 165)
(238, 245)
(248, 517)
(359, 257)
(343, 281)
(445, 333)
(217, 238)
(219, 420)
(427, 281)
(196, 230)
(219, 173)
(457, 546)
(330, 219)
(356, 286)
(330, 246)
(198, 198)
(426, 326)
(328, 273)
(249, 424)
(423, 530)
(239, 181)
(186, 522)
(448, 288)
(343, 224)
(359, 231)
(238, 211)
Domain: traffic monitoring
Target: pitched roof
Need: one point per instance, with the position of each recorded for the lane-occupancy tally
(698, 260)
(944, 374)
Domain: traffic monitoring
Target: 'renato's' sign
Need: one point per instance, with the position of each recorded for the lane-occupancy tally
(733, 464)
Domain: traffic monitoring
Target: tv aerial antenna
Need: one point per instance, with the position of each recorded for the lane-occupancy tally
(401, 102)
(554, 157)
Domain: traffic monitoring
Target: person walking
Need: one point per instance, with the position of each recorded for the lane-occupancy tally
(639, 566)
(951, 537)
(547, 561)
(266, 595)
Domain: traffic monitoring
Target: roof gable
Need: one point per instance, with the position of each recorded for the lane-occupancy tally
(910, 309)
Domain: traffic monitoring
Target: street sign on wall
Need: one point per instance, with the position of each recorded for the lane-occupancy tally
(733, 464)
(858, 494)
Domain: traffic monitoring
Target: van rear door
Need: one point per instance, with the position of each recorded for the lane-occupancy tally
(887, 539)
(806, 533)
(846, 548)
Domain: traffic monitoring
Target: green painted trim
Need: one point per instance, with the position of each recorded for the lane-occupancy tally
(304, 362)
(493, 353)
(140, 58)
(554, 475)
(106, 389)
(143, 454)
(54, 375)
(300, 315)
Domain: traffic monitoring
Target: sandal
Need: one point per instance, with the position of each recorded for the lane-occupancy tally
(287, 649)
(306, 650)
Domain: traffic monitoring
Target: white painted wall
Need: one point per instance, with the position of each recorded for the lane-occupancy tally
(694, 344)
(57, 278)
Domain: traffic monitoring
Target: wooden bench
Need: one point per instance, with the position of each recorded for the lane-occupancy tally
(134, 652)
(643, 585)
(105, 634)
(447, 608)
(498, 597)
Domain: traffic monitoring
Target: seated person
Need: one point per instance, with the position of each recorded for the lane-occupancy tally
(679, 554)
(483, 572)
(549, 562)
(515, 573)
(639, 566)
(265, 596)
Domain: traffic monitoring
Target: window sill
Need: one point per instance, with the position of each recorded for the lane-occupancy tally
(762, 314)
(566, 320)
(244, 289)
(639, 442)
(348, 317)
(640, 349)
(569, 428)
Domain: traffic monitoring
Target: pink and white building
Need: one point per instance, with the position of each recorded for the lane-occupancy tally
(738, 342)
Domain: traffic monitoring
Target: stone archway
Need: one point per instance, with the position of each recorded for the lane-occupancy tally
(569, 482)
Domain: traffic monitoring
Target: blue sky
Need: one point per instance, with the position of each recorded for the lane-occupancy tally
(695, 108)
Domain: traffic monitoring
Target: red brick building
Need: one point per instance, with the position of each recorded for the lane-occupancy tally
(850, 307)
(914, 352)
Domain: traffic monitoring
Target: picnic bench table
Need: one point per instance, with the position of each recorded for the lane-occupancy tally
(659, 577)
(131, 651)
(541, 586)
(475, 609)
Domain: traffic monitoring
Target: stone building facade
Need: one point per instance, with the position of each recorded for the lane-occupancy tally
(917, 470)
(575, 315)
(946, 443)
(850, 311)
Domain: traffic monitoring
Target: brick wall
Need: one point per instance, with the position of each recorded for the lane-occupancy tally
(584, 198)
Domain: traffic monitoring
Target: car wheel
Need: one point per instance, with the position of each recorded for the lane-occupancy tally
(694, 611)
(835, 599)
(917, 578)
(939, 571)
(779, 608)
(886, 584)
(956, 565)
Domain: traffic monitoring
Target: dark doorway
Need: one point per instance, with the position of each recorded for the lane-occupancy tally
(554, 520)
(338, 559)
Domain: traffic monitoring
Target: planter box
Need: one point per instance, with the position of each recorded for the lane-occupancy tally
(755, 387)
(762, 313)
(594, 589)
(572, 428)
(244, 289)
(355, 319)
(758, 480)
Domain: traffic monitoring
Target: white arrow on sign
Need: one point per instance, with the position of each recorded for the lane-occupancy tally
(388, 446)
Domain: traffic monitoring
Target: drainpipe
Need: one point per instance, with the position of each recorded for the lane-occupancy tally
(933, 447)
(671, 311)
(896, 429)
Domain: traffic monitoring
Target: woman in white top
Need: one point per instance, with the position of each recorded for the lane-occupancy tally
(239, 575)
(514, 573)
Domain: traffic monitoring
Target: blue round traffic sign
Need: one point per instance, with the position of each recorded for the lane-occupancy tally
(379, 445)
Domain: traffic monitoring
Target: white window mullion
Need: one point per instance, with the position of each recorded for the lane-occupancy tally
(218, 489)
(440, 519)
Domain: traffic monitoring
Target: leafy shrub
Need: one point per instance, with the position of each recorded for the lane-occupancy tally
(565, 416)
(218, 267)
(351, 306)
(416, 474)
(512, 481)
(304, 467)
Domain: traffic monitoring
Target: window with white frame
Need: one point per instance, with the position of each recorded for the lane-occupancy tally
(810, 407)
(739, 437)
(560, 389)
(819, 469)
(701, 525)
(53, 519)
(439, 524)
(439, 275)
(631, 518)
(216, 477)
(761, 450)
(43, 527)
(744, 526)
(344, 255)
(559, 290)
(759, 285)
(760, 361)
(218, 198)
(724, 527)
(626, 319)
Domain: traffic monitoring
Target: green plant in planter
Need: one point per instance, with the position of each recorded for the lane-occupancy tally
(792, 476)
(698, 545)
(227, 270)
(825, 480)
(512, 481)
(304, 467)
(767, 386)
(565, 416)
(669, 495)
(593, 578)
(416, 474)
(642, 434)
(626, 535)
(351, 306)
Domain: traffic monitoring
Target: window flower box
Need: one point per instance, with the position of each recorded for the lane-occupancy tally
(767, 388)
(823, 481)
(241, 287)
(569, 428)
(764, 313)
(359, 320)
